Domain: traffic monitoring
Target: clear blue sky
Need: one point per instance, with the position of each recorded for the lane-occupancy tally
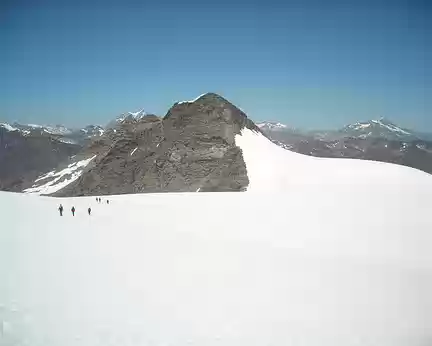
(312, 64)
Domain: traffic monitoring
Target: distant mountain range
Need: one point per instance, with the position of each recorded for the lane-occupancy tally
(191, 148)
(58, 132)
(378, 140)
(381, 128)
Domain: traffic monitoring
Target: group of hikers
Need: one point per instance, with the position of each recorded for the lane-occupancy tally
(60, 208)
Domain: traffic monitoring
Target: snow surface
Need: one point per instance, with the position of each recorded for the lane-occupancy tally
(67, 140)
(342, 257)
(391, 127)
(272, 168)
(273, 126)
(207, 269)
(359, 126)
(137, 115)
(54, 130)
(61, 178)
(8, 127)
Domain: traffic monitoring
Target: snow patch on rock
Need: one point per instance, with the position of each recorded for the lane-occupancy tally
(61, 178)
(8, 127)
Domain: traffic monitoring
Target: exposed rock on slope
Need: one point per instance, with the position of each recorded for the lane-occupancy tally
(191, 149)
(24, 156)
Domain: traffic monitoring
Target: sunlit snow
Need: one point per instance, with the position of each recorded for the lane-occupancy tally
(272, 168)
(8, 127)
(138, 114)
(273, 126)
(391, 127)
(192, 101)
(61, 178)
(360, 126)
(333, 252)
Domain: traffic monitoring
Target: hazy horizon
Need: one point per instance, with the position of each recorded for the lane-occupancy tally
(303, 63)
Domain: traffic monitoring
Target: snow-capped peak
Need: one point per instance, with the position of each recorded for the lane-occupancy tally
(54, 130)
(377, 128)
(390, 126)
(8, 127)
(138, 115)
(93, 130)
(131, 116)
(192, 101)
(272, 125)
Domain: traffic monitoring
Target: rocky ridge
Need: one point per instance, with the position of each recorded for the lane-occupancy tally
(192, 148)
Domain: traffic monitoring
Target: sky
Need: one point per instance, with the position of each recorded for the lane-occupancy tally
(309, 64)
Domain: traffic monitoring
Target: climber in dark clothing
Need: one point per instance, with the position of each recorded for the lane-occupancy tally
(107, 201)
(61, 210)
(73, 211)
(89, 210)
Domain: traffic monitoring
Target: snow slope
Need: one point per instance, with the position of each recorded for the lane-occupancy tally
(321, 268)
(59, 179)
(272, 168)
(336, 254)
(8, 127)
(192, 101)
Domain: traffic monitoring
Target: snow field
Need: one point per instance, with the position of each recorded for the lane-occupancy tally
(216, 269)
(317, 252)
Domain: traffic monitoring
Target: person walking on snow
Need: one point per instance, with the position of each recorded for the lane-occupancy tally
(107, 201)
(61, 210)
(89, 211)
(73, 211)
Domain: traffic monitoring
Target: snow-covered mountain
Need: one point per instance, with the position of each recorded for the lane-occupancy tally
(208, 269)
(128, 118)
(139, 114)
(381, 128)
(53, 130)
(272, 126)
(59, 132)
(191, 132)
(92, 131)
(131, 116)
(378, 140)
(8, 127)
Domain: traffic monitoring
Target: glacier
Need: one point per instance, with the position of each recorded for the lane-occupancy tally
(316, 252)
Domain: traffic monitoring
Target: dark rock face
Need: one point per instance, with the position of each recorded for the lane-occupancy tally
(192, 148)
(24, 158)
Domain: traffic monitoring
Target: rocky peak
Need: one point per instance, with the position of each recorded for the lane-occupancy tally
(191, 149)
(209, 108)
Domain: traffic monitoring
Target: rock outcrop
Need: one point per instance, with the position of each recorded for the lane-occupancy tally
(191, 149)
